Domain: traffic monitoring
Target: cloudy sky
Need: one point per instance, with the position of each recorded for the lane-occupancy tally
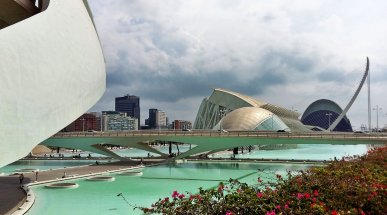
(289, 53)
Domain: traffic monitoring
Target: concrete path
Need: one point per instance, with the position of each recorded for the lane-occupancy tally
(11, 195)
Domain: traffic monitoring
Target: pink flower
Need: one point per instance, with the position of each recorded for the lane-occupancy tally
(259, 195)
(315, 192)
(300, 195)
(199, 197)
(270, 213)
(286, 206)
(278, 207)
(220, 188)
(307, 195)
(314, 199)
(181, 196)
(334, 212)
(228, 213)
(175, 194)
(166, 199)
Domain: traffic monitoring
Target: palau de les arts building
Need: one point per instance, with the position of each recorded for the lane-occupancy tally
(52, 70)
(227, 110)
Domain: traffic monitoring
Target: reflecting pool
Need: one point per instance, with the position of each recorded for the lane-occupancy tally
(93, 197)
(99, 197)
(303, 152)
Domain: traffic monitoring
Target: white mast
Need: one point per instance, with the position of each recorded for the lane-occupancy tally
(341, 116)
(369, 101)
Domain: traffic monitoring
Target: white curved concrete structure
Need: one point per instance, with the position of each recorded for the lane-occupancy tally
(252, 118)
(52, 70)
(222, 102)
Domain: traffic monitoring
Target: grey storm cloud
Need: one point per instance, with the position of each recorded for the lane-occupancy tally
(178, 84)
(287, 62)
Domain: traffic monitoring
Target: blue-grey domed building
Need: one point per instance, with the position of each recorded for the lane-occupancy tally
(322, 113)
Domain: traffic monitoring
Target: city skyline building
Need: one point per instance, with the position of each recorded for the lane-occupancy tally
(86, 122)
(151, 121)
(161, 119)
(129, 104)
(118, 121)
(181, 124)
(157, 119)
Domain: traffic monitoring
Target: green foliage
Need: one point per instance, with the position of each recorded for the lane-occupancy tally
(353, 185)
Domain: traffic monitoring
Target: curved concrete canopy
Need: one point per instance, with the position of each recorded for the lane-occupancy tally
(53, 71)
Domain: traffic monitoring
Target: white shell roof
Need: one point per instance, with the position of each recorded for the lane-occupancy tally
(246, 118)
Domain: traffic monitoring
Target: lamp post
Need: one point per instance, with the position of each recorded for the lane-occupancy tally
(377, 116)
(329, 120)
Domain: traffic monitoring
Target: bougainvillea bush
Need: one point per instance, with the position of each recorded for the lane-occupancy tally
(353, 185)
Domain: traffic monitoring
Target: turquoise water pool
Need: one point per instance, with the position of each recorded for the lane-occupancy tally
(304, 152)
(158, 181)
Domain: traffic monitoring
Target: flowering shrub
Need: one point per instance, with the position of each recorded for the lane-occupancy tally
(354, 185)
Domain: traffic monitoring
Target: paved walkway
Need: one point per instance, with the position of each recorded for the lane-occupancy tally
(12, 196)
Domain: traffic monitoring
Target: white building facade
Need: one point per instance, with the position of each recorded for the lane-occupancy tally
(53, 71)
(116, 121)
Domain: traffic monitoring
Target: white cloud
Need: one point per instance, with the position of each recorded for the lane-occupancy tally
(316, 48)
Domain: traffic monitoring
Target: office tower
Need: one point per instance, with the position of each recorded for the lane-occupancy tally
(161, 119)
(152, 118)
(157, 119)
(130, 105)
